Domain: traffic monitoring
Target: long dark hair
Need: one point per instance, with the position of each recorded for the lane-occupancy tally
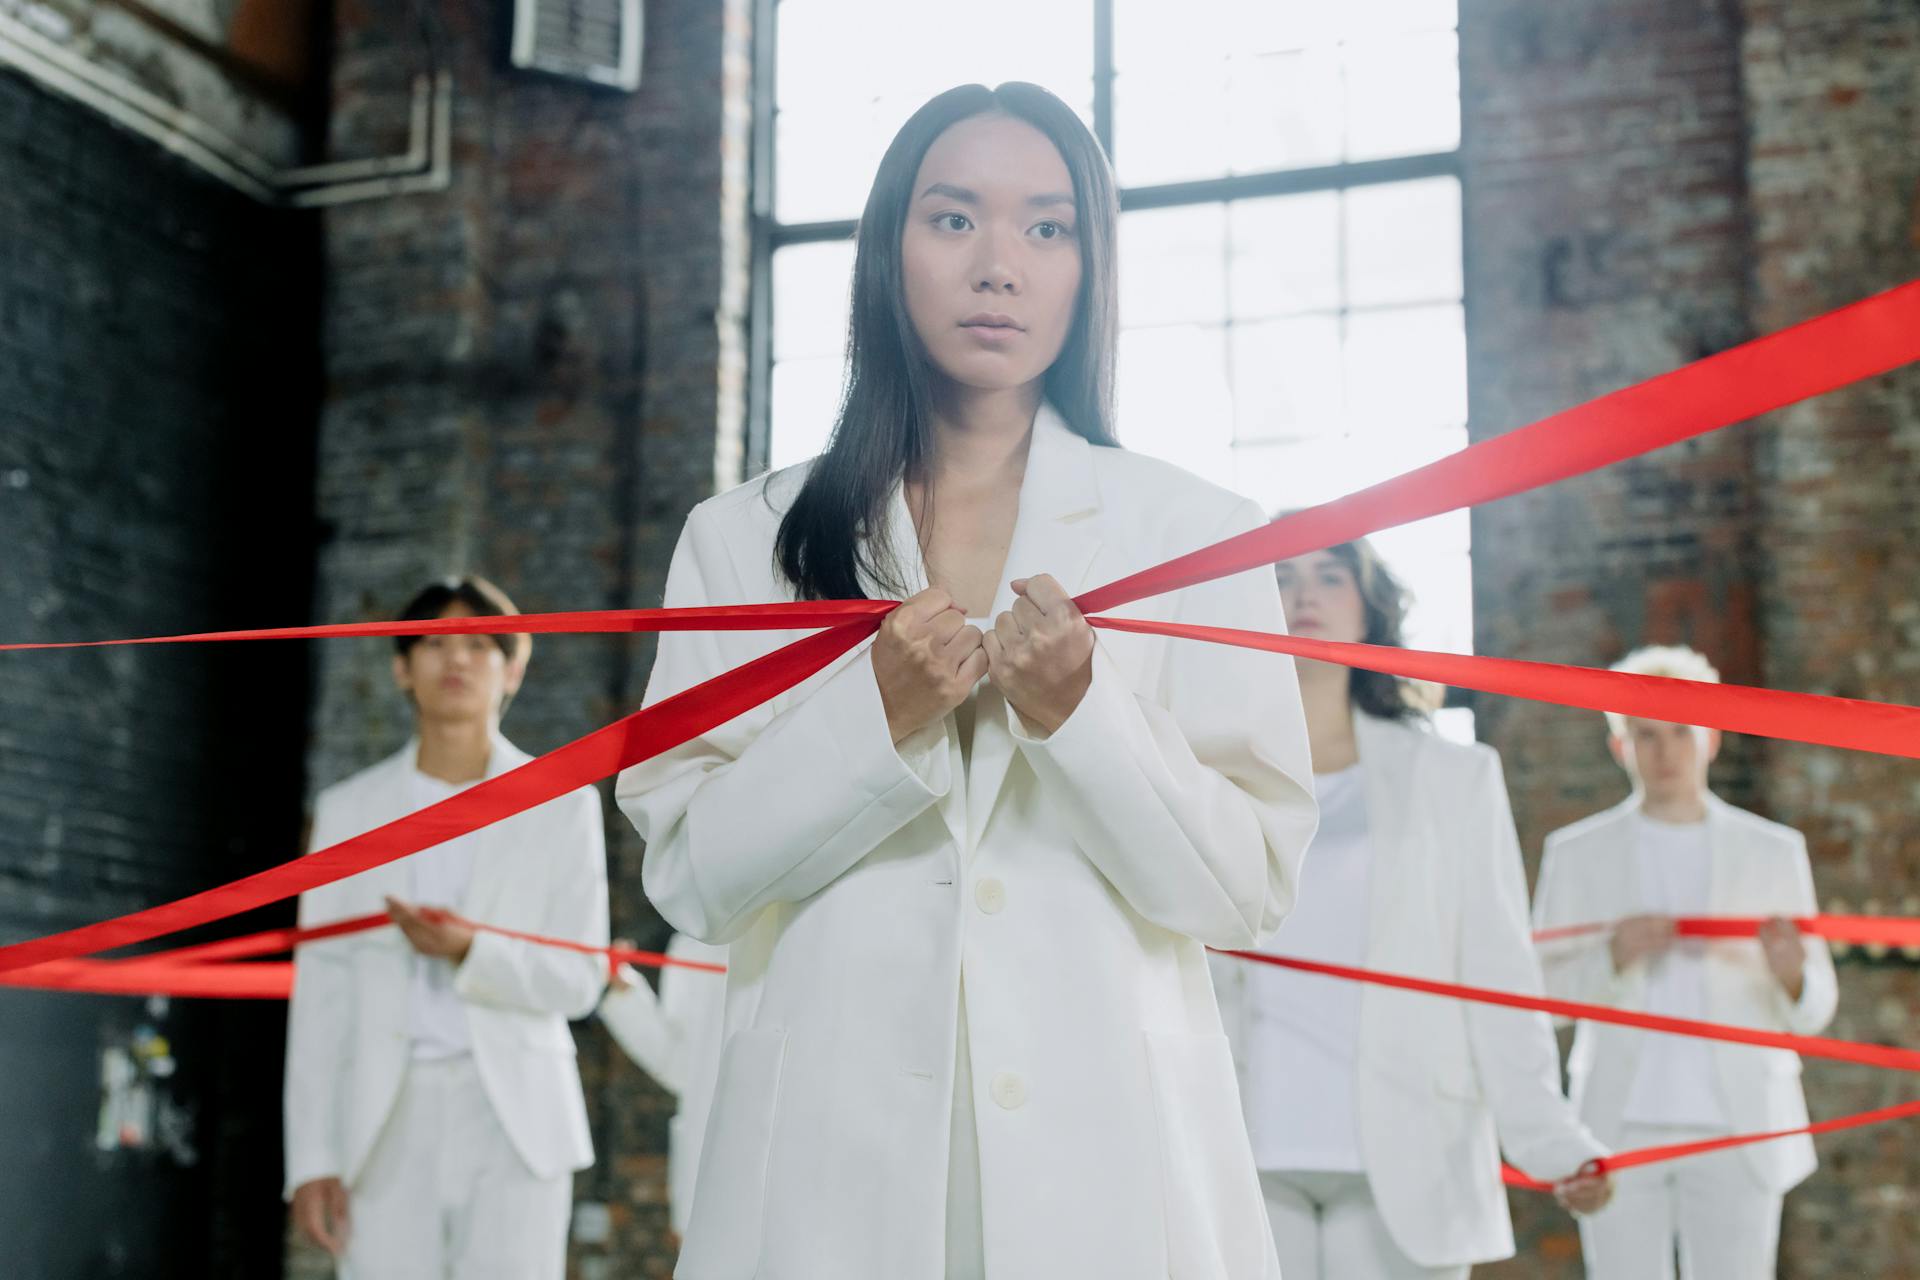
(1384, 601)
(884, 431)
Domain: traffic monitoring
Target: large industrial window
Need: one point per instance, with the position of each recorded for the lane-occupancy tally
(1290, 239)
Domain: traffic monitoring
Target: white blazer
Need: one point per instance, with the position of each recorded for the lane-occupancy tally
(1072, 879)
(348, 1041)
(1590, 873)
(1440, 1080)
(675, 1037)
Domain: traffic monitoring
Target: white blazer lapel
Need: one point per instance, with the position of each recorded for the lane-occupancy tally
(1390, 754)
(496, 860)
(391, 798)
(901, 541)
(1054, 534)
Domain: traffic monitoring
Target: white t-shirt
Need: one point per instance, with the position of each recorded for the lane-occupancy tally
(1302, 1029)
(1674, 1083)
(437, 877)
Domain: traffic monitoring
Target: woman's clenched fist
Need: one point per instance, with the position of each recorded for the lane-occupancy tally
(926, 661)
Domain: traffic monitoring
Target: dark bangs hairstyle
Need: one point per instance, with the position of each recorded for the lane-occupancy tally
(1384, 600)
(479, 595)
(884, 432)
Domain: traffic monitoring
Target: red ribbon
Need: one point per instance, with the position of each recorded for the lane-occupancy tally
(1883, 931)
(625, 742)
(803, 615)
(1679, 1150)
(1882, 727)
(1872, 1055)
(1859, 341)
(215, 969)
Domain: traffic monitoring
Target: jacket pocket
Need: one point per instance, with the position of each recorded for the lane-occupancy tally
(730, 1190)
(1215, 1219)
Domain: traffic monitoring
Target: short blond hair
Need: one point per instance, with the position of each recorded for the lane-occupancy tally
(1675, 661)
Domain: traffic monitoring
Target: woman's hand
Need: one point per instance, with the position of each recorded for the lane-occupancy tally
(1638, 938)
(1586, 1191)
(432, 931)
(926, 661)
(1786, 957)
(1040, 655)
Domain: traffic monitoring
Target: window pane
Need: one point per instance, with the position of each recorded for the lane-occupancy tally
(1286, 379)
(1365, 18)
(812, 288)
(806, 396)
(1168, 125)
(1155, 34)
(1403, 96)
(1285, 475)
(1283, 111)
(1403, 243)
(1406, 369)
(825, 159)
(1286, 255)
(843, 51)
(1174, 400)
(1173, 265)
(1441, 617)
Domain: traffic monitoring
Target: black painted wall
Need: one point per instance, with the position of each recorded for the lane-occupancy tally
(159, 351)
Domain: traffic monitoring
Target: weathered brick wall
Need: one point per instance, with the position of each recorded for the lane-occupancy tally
(1833, 110)
(533, 376)
(158, 387)
(1647, 183)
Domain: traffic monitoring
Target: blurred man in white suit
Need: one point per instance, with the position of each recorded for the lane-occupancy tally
(1674, 849)
(434, 1116)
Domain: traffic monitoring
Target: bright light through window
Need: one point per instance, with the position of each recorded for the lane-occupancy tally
(1290, 347)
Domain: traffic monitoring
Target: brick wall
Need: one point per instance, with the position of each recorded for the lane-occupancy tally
(158, 386)
(1647, 183)
(1833, 109)
(534, 376)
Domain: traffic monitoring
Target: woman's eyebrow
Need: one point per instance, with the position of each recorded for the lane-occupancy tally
(947, 190)
(951, 192)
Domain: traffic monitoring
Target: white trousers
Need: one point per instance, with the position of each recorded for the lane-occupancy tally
(1710, 1209)
(444, 1195)
(1327, 1227)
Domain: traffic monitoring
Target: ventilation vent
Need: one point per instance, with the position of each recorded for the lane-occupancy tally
(597, 41)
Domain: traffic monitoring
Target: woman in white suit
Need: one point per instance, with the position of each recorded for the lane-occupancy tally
(967, 872)
(674, 1035)
(1394, 1170)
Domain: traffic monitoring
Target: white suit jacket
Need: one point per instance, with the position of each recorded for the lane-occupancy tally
(348, 1042)
(675, 1037)
(1072, 879)
(1590, 873)
(1441, 1080)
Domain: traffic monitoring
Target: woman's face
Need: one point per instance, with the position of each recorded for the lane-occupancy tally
(990, 254)
(1321, 598)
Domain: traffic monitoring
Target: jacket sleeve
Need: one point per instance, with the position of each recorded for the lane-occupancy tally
(318, 1013)
(511, 973)
(1819, 988)
(1514, 1051)
(1195, 804)
(772, 806)
(640, 1025)
(1578, 968)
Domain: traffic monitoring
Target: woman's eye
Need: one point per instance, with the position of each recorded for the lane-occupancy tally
(953, 222)
(1052, 230)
